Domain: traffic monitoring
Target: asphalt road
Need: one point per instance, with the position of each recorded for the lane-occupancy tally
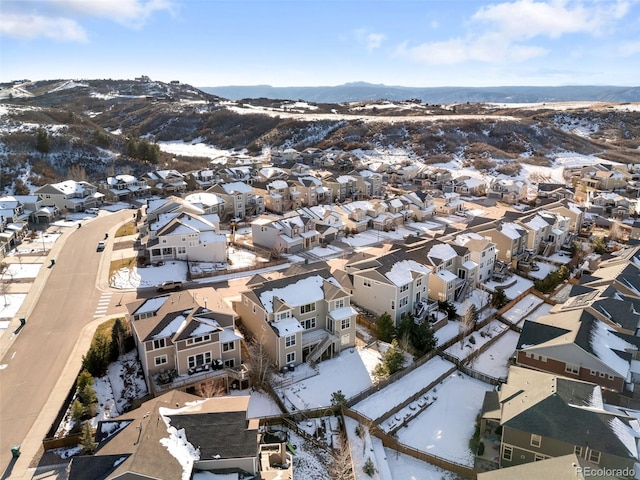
(39, 353)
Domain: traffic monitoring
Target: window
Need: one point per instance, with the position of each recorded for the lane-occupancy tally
(366, 282)
(199, 359)
(338, 304)
(594, 456)
(182, 250)
(538, 457)
(310, 307)
(418, 282)
(573, 369)
(227, 347)
(196, 340)
(283, 315)
(230, 363)
(345, 339)
(593, 372)
(291, 357)
(289, 340)
(404, 288)
(610, 377)
(601, 374)
(393, 304)
(160, 343)
(535, 440)
(309, 323)
(346, 323)
(404, 301)
(161, 360)
(543, 358)
(577, 450)
(507, 452)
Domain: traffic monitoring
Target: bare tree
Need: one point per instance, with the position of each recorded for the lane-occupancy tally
(77, 172)
(340, 466)
(5, 284)
(260, 365)
(212, 387)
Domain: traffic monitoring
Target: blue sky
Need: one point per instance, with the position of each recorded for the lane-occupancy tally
(324, 42)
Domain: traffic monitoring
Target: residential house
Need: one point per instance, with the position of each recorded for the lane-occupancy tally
(269, 174)
(434, 178)
(14, 224)
(565, 466)
(547, 231)
(201, 179)
(185, 236)
(327, 221)
(541, 415)
(420, 204)
(570, 210)
(394, 283)
(173, 204)
(507, 190)
(369, 183)
(165, 182)
(239, 199)
(482, 251)
(177, 434)
(511, 240)
(609, 205)
(312, 191)
(578, 345)
(450, 204)
(185, 338)
(206, 203)
(289, 234)
(123, 188)
(279, 196)
(554, 191)
(303, 317)
(70, 196)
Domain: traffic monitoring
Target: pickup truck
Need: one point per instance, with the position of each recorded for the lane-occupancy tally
(168, 286)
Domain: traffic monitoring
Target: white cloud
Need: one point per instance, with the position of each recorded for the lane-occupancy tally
(32, 26)
(498, 32)
(61, 19)
(370, 40)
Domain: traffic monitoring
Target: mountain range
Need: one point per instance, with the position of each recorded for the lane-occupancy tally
(362, 91)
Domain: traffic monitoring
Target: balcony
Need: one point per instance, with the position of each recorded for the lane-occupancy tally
(170, 380)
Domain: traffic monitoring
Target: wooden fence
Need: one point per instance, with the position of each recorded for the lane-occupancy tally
(390, 442)
(226, 271)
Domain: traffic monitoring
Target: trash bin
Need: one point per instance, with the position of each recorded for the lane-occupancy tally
(15, 451)
(23, 322)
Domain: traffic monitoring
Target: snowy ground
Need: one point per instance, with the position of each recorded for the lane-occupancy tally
(445, 427)
(520, 310)
(521, 285)
(21, 270)
(377, 404)
(544, 269)
(449, 331)
(475, 340)
(327, 251)
(542, 310)
(149, 276)
(9, 306)
(495, 360)
(348, 372)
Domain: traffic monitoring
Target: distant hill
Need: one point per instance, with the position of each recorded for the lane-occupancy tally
(361, 91)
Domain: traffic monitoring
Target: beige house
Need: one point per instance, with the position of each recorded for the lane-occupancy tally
(70, 196)
(165, 182)
(312, 191)
(300, 318)
(280, 196)
(482, 251)
(507, 190)
(394, 283)
(239, 200)
(511, 240)
(184, 338)
(289, 234)
(123, 188)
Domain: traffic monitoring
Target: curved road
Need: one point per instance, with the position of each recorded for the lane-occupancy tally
(39, 353)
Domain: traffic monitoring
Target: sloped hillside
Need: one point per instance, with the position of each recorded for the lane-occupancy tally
(107, 126)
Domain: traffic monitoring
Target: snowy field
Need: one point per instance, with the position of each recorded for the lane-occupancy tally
(544, 269)
(495, 360)
(379, 403)
(9, 306)
(148, 276)
(323, 252)
(348, 372)
(21, 270)
(445, 427)
(475, 340)
(520, 310)
(512, 291)
(542, 310)
(449, 331)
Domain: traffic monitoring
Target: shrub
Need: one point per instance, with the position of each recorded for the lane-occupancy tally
(369, 468)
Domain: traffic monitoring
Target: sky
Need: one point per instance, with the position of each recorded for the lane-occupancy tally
(418, 43)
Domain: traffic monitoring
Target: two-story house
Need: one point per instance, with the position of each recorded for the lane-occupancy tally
(304, 317)
(70, 196)
(279, 196)
(123, 188)
(239, 199)
(540, 415)
(482, 251)
(201, 179)
(312, 191)
(511, 240)
(165, 182)
(183, 334)
(289, 234)
(507, 190)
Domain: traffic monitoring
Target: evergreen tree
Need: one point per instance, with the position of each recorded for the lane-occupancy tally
(87, 441)
(385, 328)
(77, 410)
(42, 143)
(423, 338)
(499, 298)
(119, 337)
(89, 399)
(338, 398)
(83, 380)
(97, 358)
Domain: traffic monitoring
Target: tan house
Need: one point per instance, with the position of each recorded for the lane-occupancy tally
(540, 415)
(300, 318)
(123, 188)
(184, 338)
(165, 182)
(239, 200)
(175, 435)
(70, 196)
(291, 233)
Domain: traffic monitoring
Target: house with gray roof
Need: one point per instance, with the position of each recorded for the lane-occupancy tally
(186, 338)
(70, 196)
(306, 316)
(542, 415)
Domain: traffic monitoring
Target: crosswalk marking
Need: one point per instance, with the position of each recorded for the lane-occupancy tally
(103, 305)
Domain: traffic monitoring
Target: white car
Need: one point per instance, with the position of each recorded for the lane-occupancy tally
(94, 211)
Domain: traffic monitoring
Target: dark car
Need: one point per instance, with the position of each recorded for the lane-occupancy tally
(101, 246)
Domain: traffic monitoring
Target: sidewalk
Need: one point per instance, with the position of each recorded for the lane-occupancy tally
(30, 447)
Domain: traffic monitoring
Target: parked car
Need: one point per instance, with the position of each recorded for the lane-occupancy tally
(168, 286)
(94, 211)
(101, 246)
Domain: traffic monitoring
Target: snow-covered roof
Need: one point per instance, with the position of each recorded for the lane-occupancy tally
(442, 251)
(401, 272)
(306, 290)
(236, 187)
(287, 326)
(343, 312)
(604, 341)
(151, 305)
